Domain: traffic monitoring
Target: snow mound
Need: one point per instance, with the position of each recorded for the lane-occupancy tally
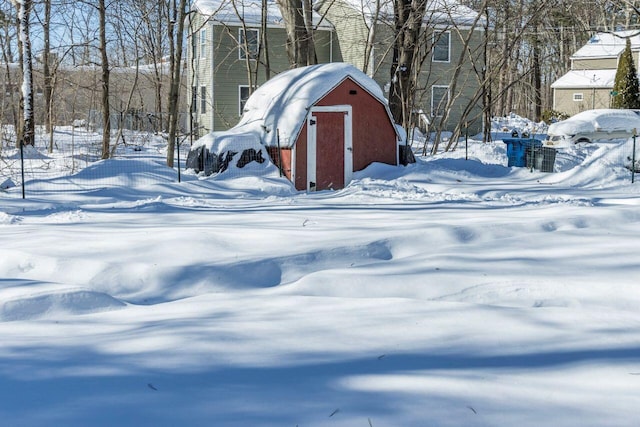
(112, 173)
(33, 300)
(6, 219)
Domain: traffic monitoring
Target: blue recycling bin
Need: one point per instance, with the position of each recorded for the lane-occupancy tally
(520, 151)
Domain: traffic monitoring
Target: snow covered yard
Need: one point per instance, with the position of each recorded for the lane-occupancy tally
(450, 292)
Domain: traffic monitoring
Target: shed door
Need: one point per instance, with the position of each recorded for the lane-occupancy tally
(329, 148)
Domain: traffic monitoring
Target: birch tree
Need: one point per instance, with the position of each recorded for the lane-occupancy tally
(23, 8)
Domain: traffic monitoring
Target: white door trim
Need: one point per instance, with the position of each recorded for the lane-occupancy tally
(312, 142)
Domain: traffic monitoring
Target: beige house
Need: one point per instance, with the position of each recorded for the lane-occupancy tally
(589, 83)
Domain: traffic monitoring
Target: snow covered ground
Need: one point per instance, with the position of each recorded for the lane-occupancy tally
(450, 292)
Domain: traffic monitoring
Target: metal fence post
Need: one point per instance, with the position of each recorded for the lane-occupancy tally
(633, 158)
(466, 141)
(178, 148)
(22, 165)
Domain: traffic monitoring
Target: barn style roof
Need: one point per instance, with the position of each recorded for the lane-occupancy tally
(280, 106)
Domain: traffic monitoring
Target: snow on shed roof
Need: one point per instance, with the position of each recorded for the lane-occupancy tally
(586, 79)
(249, 11)
(605, 45)
(281, 104)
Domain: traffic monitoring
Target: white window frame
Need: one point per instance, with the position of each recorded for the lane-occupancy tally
(434, 110)
(578, 97)
(437, 38)
(203, 43)
(253, 54)
(241, 104)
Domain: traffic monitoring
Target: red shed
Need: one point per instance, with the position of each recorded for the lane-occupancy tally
(321, 123)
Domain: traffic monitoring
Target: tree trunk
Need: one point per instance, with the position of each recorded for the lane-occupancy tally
(175, 47)
(106, 113)
(28, 124)
(297, 20)
(46, 59)
(537, 78)
(264, 43)
(408, 23)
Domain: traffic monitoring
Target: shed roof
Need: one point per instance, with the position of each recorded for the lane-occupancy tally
(280, 105)
(248, 11)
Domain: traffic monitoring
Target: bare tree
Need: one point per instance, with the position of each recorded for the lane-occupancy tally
(105, 74)
(177, 14)
(297, 15)
(408, 15)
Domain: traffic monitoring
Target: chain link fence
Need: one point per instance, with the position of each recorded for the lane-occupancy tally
(75, 150)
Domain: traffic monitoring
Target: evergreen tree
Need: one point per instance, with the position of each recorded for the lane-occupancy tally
(626, 89)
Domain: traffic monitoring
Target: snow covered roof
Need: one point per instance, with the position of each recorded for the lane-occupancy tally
(281, 104)
(249, 11)
(444, 12)
(586, 79)
(606, 45)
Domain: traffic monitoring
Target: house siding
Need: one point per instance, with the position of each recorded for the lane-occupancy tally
(592, 98)
(440, 74)
(223, 72)
(348, 43)
(594, 64)
(353, 33)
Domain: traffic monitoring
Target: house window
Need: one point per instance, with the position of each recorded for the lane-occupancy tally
(248, 45)
(441, 46)
(203, 43)
(439, 100)
(243, 95)
(203, 99)
(578, 97)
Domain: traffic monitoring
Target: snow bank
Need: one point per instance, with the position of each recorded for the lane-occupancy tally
(30, 300)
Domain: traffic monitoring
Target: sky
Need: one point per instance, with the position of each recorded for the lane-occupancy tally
(454, 291)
